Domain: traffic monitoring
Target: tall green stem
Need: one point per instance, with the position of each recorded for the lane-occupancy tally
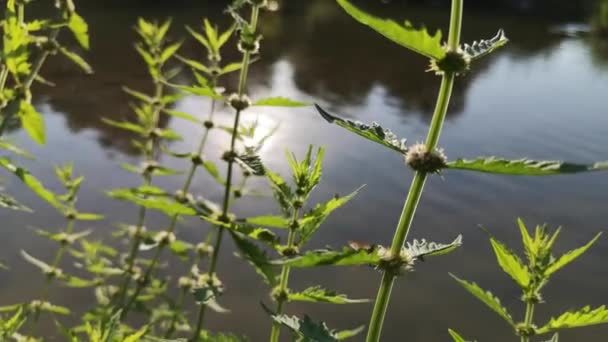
(255, 13)
(276, 327)
(417, 186)
(528, 319)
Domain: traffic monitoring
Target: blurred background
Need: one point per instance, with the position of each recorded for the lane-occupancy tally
(543, 97)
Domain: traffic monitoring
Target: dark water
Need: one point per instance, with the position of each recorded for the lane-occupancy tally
(542, 97)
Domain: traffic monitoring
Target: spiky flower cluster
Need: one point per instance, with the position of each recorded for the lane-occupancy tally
(456, 62)
(419, 158)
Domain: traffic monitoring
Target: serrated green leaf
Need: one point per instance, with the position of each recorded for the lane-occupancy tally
(576, 319)
(79, 29)
(406, 35)
(524, 167)
(420, 249)
(511, 264)
(127, 126)
(251, 163)
(346, 334)
(569, 257)
(169, 51)
(485, 47)
(373, 132)
(32, 122)
(138, 95)
(324, 257)
(308, 330)
(312, 221)
(487, 298)
(74, 57)
(280, 102)
(317, 294)
(257, 258)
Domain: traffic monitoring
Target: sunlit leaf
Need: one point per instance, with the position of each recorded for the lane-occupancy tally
(510, 263)
(14, 149)
(455, 336)
(406, 35)
(169, 51)
(32, 122)
(164, 204)
(373, 132)
(310, 331)
(182, 115)
(576, 319)
(280, 102)
(80, 29)
(487, 298)
(269, 221)
(524, 167)
(251, 163)
(127, 126)
(318, 294)
(569, 257)
(484, 47)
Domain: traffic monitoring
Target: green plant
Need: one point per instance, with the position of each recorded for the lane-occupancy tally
(448, 61)
(532, 278)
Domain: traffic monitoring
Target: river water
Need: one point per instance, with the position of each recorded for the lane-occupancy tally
(543, 97)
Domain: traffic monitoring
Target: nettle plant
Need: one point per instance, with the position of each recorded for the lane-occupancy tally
(532, 277)
(448, 61)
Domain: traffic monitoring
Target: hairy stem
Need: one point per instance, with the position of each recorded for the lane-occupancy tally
(284, 280)
(255, 12)
(417, 187)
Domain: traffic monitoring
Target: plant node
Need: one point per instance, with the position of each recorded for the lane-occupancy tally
(164, 238)
(229, 156)
(455, 62)
(522, 329)
(208, 124)
(394, 264)
(239, 103)
(203, 249)
(197, 160)
(289, 252)
(279, 295)
(420, 159)
(185, 283)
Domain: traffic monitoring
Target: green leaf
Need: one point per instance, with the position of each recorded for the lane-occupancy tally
(455, 336)
(32, 122)
(511, 264)
(375, 132)
(346, 334)
(127, 126)
(74, 57)
(487, 298)
(166, 205)
(79, 29)
(576, 319)
(324, 257)
(170, 51)
(317, 294)
(406, 35)
(280, 102)
(312, 221)
(7, 201)
(269, 221)
(257, 258)
(213, 171)
(524, 167)
(136, 337)
(309, 331)
(31, 182)
(485, 47)
(88, 217)
(75, 282)
(199, 91)
(569, 257)
(138, 95)
(182, 115)
(420, 249)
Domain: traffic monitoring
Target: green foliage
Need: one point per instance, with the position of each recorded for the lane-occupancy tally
(524, 167)
(406, 35)
(307, 330)
(485, 47)
(531, 278)
(325, 257)
(317, 294)
(279, 102)
(373, 132)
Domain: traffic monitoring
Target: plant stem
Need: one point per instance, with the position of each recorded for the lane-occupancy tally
(282, 292)
(255, 12)
(528, 319)
(417, 186)
(141, 218)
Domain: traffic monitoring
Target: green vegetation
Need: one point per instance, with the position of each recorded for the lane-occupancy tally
(130, 285)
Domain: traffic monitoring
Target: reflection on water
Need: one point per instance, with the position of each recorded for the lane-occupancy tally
(542, 97)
